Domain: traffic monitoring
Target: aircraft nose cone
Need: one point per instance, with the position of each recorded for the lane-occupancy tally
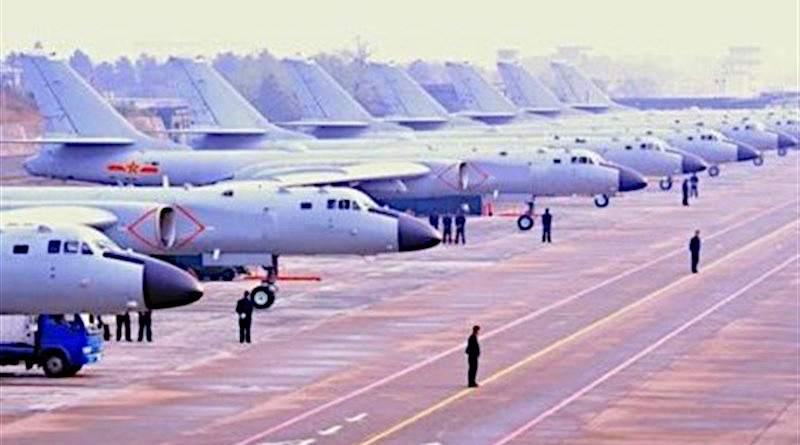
(630, 180)
(786, 141)
(746, 152)
(414, 234)
(167, 286)
(692, 163)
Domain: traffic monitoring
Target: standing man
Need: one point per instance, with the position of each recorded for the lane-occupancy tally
(124, 321)
(694, 193)
(694, 248)
(473, 352)
(547, 220)
(145, 325)
(434, 220)
(461, 223)
(244, 308)
(685, 189)
(447, 229)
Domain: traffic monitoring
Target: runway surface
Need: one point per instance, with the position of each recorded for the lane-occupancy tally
(603, 337)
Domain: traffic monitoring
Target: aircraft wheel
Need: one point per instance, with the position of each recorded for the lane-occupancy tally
(759, 161)
(713, 171)
(783, 151)
(525, 222)
(228, 275)
(601, 201)
(666, 183)
(55, 364)
(263, 296)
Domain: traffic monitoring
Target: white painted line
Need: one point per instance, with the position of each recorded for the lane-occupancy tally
(330, 431)
(622, 366)
(525, 318)
(356, 418)
(291, 442)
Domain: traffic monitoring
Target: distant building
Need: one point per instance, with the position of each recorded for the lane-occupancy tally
(10, 76)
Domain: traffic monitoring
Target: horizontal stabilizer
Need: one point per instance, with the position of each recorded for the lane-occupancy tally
(326, 124)
(72, 141)
(86, 216)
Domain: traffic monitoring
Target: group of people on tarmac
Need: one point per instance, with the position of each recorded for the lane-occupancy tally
(123, 322)
(689, 189)
(448, 221)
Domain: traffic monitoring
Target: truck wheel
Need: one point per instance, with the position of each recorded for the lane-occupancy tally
(228, 275)
(666, 183)
(525, 222)
(263, 296)
(55, 364)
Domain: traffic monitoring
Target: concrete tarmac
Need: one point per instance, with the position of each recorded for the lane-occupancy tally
(603, 337)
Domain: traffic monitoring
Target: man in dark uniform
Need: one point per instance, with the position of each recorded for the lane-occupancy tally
(694, 248)
(694, 181)
(473, 352)
(434, 220)
(244, 308)
(145, 325)
(461, 223)
(124, 320)
(547, 220)
(685, 189)
(447, 229)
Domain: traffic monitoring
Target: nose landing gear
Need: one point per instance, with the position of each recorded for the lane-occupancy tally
(666, 183)
(264, 294)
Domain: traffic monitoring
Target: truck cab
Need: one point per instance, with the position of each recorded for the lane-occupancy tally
(60, 344)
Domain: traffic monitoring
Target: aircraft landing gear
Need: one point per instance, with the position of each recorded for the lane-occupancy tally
(263, 295)
(666, 183)
(713, 171)
(783, 151)
(525, 222)
(601, 201)
(759, 161)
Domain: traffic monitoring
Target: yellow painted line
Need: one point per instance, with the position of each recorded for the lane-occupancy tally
(563, 341)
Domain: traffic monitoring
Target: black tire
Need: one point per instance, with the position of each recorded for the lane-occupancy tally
(665, 183)
(783, 151)
(263, 296)
(759, 161)
(601, 201)
(713, 171)
(525, 222)
(228, 275)
(55, 364)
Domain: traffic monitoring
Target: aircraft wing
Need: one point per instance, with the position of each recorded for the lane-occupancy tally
(57, 214)
(218, 131)
(317, 175)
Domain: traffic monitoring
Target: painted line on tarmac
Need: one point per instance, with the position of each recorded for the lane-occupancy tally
(641, 354)
(525, 318)
(565, 340)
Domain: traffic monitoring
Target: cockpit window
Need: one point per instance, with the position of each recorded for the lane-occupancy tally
(85, 249)
(344, 204)
(331, 204)
(71, 246)
(54, 246)
(356, 206)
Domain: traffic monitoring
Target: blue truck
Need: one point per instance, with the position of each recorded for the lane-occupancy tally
(60, 344)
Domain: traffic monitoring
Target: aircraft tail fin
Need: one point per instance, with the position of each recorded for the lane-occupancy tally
(69, 105)
(577, 90)
(320, 97)
(526, 91)
(397, 97)
(476, 95)
(216, 105)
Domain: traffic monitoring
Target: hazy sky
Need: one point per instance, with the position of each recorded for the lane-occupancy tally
(402, 30)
